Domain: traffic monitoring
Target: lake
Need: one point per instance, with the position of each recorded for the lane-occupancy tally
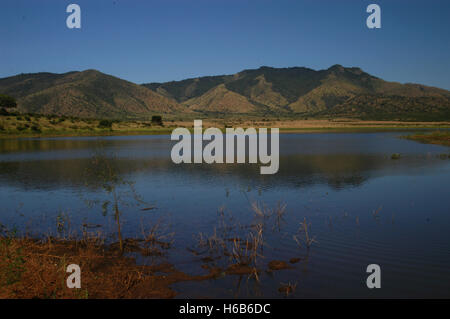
(361, 206)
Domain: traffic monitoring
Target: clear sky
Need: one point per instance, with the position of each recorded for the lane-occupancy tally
(157, 41)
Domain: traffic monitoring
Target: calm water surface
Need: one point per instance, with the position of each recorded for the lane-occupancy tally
(334, 180)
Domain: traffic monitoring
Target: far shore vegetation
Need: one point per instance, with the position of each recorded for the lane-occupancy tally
(436, 137)
(15, 124)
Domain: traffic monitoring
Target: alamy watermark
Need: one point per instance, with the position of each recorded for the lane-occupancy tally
(73, 21)
(374, 279)
(235, 139)
(74, 279)
(374, 19)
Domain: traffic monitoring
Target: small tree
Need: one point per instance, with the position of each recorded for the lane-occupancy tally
(121, 192)
(157, 119)
(35, 128)
(105, 124)
(7, 101)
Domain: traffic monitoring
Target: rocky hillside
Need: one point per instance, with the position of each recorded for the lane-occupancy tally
(335, 92)
(84, 94)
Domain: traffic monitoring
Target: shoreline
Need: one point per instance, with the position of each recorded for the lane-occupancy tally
(283, 130)
(36, 268)
(436, 137)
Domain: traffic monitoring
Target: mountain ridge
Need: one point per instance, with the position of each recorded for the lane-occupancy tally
(88, 93)
(297, 91)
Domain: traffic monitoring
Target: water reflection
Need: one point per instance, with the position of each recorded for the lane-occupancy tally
(335, 180)
(336, 170)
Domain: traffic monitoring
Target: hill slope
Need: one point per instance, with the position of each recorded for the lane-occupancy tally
(334, 92)
(337, 91)
(84, 94)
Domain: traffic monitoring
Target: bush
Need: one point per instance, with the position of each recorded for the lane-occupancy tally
(3, 111)
(36, 128)
(157, 119)
(105, 124)
(7, 101)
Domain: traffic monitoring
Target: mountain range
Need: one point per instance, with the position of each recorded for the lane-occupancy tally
(297, 91)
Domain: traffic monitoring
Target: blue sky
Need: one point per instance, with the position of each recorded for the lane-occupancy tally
(157, 41)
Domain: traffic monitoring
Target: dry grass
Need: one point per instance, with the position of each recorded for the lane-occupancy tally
(376, 213)
(40, 125)
(236, 249)
(37, 269)
(438, 137)
(156, 238)
(304, 229)
(287, 289)
(263, 214)
(31, 268)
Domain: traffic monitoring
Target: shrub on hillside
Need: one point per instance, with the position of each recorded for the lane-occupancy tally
(157, 120)
(105, 124)
(35, 128)
(7, 101)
